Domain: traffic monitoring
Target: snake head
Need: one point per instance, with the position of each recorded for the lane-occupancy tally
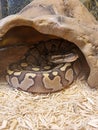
(58, 59)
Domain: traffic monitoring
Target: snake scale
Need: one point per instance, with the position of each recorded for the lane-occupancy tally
(47, 66)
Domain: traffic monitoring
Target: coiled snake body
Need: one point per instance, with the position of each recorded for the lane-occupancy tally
(47, 66)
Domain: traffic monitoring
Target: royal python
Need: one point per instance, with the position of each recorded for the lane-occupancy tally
(47, 66)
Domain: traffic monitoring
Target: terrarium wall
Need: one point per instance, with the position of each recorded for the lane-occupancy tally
(92, 6)
(8, 7)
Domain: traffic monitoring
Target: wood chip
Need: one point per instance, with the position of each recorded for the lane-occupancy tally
(73, 108)
(4, 124)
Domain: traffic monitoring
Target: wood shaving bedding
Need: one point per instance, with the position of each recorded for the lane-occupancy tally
(75, 108)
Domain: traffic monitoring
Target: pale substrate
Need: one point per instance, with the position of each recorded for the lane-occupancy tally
(75, 108)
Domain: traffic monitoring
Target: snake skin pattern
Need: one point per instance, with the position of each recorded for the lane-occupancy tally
(47, 66)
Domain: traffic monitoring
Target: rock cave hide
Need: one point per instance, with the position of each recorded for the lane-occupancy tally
(43, 19)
